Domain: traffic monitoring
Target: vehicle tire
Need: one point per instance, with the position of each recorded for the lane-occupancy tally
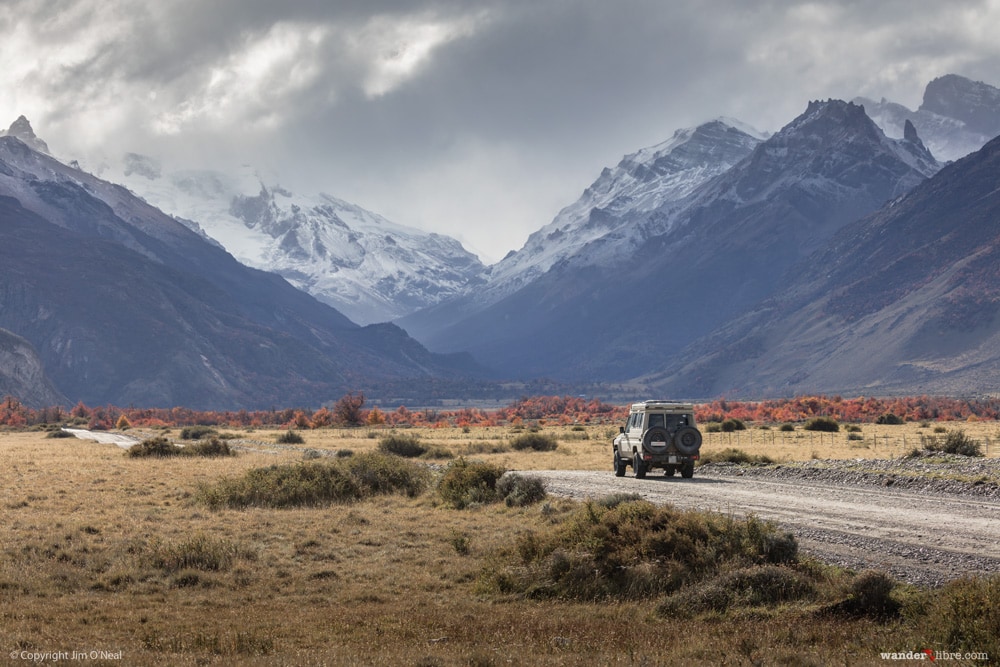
(639, 466)
(619, 465)
(669, 471)
(655, 435)
(687, 470)
(687, 440)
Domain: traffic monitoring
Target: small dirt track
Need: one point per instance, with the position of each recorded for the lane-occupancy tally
(917, 537)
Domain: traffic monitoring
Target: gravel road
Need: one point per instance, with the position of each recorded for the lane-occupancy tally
(915, 534)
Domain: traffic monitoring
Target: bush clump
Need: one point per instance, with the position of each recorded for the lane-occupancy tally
(316, 483)
(197, 432)
(464, 484)
(59, 433)
(211, 447)
(408, 446)
(757, 586)
(520, 491)
(539, 442)
(963, 614)
(786, 428)
(630, 551)
(732, 424)
(890, 419)
(824, 424)
(160, 447)
(869, 595)
(290, 437)
(955, 442)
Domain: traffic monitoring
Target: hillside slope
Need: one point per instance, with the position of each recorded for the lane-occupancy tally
(906, 300)
(126, 305)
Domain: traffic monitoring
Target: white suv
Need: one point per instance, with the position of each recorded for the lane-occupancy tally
(658, 434)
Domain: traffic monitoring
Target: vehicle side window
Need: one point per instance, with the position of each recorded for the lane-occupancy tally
(636, 420)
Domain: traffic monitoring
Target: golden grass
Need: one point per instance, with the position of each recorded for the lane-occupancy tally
(87, 536)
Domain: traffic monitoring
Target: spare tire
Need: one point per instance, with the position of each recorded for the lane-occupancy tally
(687, 440)
(655, 434)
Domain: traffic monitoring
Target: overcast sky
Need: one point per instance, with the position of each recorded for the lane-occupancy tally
(472, 118)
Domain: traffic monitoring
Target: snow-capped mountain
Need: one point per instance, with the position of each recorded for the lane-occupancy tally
(644, 181)
(21, 129)
(369, 268)
(633, 297)
(957, 117)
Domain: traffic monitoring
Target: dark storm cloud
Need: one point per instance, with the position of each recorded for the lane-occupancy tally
(473, 118)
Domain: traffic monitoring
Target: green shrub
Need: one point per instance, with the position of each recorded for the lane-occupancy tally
(402, 445)
(890, 419)
(154, 447)
(630, 551)
(316, 483)
(161, 447)
(290, 437)
(786, 428)
(824, 424)
(539, 442)
(853, 428)
(955, 442)
(197, 432)
(210, 447)
(758, 586)
(59, 433)
(868, 595)
(963, 615)
(520, 491)
(730, 425)
(734, 455)
(465, 483)
(712, 427)
(855, 436)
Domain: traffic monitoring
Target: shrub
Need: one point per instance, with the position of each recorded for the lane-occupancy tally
(786, 428)
(316, 483)
(59, 433)
(758, 586)
(210, 447)
(712, 427)
(962, 615)
(519, 491)
(290, 437)
(734, 455)
(868, 595)
(955, 442)
(853, 428)
(154, 447)
(161, 447)
(465, 484)
(402, 445)
(890, 419)
(730, 425)
(539, 442)
(824, 424)
(633, 550)
(197, 432)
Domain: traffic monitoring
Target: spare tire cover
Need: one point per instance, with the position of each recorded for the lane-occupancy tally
(655, 435)
(687, 440)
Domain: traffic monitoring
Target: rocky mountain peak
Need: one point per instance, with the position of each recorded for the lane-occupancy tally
(975, 103)
(21, 129)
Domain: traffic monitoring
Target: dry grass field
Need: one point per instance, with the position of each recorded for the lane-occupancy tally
(113, 560)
